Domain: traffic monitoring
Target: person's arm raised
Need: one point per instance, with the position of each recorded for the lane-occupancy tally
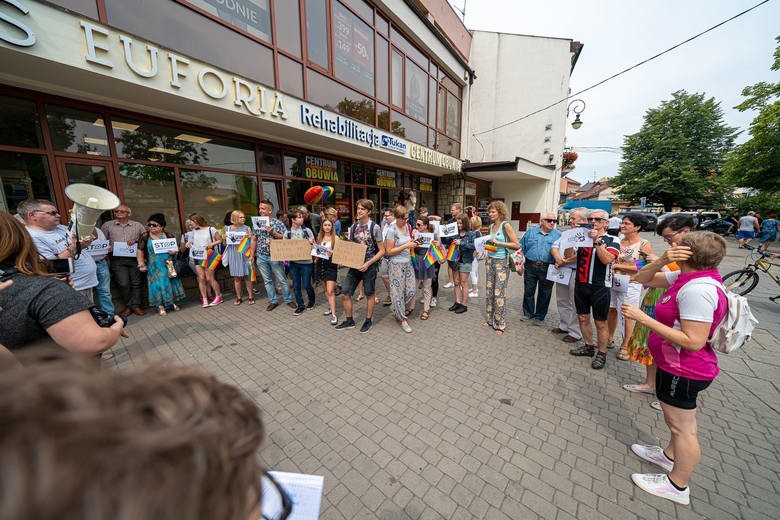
(79, 333)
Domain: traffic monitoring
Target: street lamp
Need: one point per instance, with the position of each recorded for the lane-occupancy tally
(576, 106)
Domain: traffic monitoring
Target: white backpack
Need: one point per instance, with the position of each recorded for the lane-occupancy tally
(738, 323)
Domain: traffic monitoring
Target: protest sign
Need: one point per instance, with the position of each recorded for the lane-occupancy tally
(122, 249)
(479, 244)
(233, 238)
(164, 245)
(321, 250)
(448, 230)
(260, 222)
(562, 276)
(97, 248)
(576, 237)
(198, 253)
(349, 254)
(291, 250)
(424, 238)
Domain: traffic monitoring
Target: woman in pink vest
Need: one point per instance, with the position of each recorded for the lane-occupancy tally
(685, 317)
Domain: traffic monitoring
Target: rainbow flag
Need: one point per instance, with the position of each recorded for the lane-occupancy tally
(212, 260)
(453, 253)
(252, 273)
(490, 247)
(414, 258)
(433, 255)
(243, 247)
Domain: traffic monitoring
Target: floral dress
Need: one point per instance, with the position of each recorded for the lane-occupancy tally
(163, 291)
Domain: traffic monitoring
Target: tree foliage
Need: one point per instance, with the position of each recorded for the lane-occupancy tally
(756, 162)
(676, 157)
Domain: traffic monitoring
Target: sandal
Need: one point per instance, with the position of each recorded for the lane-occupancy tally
(238, 301)
(162, 311)
(408, 312)
(251, 301)
(622, 354)
(486, 324)
(500, 332)
(425, 315)
(360, 297)
(637, 390)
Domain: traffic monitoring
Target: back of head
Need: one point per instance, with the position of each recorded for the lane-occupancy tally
(160, 442)
(17, 248)
(708, 249)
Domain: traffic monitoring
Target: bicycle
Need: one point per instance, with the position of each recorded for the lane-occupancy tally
(745, 280)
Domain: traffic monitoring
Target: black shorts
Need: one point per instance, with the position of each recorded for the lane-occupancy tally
(588, 296)
(678, 391)
(355, 276)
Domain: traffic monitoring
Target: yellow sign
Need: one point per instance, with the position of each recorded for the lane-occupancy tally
(321, 169)
(426, 184)
(385, 179)
(432, 157)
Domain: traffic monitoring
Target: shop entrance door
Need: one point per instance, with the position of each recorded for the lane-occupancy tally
(85, 171)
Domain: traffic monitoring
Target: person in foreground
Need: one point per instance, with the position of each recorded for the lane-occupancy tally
(158, 442)
(38, 308)
(685, 318)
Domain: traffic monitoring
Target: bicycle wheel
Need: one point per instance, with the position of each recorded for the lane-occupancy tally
(741, 282)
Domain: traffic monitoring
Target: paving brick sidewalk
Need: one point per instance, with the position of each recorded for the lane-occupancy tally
(454, 421)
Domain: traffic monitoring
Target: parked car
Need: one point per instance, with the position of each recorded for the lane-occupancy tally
(719, 225)
(698, 218)
(652, 219)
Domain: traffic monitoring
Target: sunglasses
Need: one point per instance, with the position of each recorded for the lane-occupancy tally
(52, 213)
(595, 219)
(552, 220)
(420, 224)
(153, 224)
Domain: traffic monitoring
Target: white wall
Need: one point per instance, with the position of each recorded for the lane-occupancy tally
(533, 196)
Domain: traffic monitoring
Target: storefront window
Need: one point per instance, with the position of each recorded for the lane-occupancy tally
(270, 160)
(317, 32)
(290, 76)
(23, 176)
(398, 79)
(362, 8)
(288, 26)
(212, 194)
(152, 142)
(87, 174)
(416, 91)
(353, 49)
(295, 191)
(432, 102)
(409, 128)
(19, 125)
(358, 174)
(293, 166)
(85, 7)
(441, 114)
(334, 96)
(150, 189)
(410, 50)
(251, 16)
(272, 190)
(448, 146)
(383, 118)
(77, 131)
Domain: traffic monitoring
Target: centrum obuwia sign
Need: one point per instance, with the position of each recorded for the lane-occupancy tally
(52, 34)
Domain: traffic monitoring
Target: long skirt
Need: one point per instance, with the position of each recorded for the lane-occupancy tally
(637, 346)
(496, 281)
(163, 291)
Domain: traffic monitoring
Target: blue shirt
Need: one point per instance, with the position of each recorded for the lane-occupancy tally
(536, 245)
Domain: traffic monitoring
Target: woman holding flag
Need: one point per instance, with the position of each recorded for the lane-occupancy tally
(502, 235)
(460, 255)
(403, 285)
(239, 255)
(425, 265)
(202, 241)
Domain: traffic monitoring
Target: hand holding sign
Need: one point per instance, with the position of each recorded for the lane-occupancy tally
(576, 237)
(97, 248)
(164, 245)
(448, 230)
(260, 222)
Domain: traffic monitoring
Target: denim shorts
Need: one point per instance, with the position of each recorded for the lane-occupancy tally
(355, 276)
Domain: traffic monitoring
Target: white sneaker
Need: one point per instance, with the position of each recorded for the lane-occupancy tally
(334, 320)
(654, 454)
(660, 486)
(656, 405)
(449, 285)
(434, 302)
(473, 294)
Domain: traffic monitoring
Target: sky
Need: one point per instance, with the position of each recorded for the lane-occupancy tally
(620, 33)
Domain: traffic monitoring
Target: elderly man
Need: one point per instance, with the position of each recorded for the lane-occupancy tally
(54, 241)
(564, 293)
(123, 235)
(591, 292)
(536, 244)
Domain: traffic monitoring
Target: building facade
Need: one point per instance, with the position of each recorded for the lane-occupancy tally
(206, 106)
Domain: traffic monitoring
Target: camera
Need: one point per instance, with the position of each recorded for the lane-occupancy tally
(104, 319)
(60, 266)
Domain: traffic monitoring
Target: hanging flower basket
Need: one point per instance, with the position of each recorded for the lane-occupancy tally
(568, 160)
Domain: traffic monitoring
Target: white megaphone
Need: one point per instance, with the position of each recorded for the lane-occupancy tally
(88, 203)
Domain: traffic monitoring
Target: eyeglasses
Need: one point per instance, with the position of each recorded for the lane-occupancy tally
(121, 211)
(53, 213)
(420, 224)
(551, 220)
(668, 238)
(153, 224)
(275, 501)
(595, 219)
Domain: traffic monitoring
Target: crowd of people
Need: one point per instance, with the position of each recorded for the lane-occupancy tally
(660, 306)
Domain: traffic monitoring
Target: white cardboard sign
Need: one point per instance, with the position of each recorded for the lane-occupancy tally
(97, 248)
(562, 276)
(448, 230)
(576, 237)
(164, 245)
(122, 249)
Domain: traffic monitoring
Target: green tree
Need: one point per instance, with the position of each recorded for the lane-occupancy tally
(676, 157)
(756, 162)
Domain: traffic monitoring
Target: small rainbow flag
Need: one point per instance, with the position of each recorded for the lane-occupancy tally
(212, 260)
(243, 246)
(453, 253)
(433, 255)
(490, 247)
(252, 273)
(414, 258)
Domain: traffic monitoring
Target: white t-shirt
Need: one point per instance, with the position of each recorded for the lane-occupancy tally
(51, 243)
(201, 237)
(614, 222)
(696, 301)
(747, 223)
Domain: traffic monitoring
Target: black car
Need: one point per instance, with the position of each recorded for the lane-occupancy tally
(719, 225)
(652, 219)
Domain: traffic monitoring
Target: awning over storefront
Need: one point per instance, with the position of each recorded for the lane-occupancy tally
(516, 169)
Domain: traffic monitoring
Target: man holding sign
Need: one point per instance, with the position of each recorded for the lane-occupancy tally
(123, 235)
(364, 231)
(270, 271)
(564, 293)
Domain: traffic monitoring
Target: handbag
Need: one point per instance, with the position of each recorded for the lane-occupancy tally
(515, 257)
(171, 268)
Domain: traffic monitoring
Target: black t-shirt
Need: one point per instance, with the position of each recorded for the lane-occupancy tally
(31, 305)
(590, 269)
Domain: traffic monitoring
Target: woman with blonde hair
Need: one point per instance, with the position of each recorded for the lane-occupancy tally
(239, 264)
(476, 228)
(502, 236)
(36, 306)
(201, 240)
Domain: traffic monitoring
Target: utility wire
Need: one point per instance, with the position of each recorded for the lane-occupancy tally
(623, 71)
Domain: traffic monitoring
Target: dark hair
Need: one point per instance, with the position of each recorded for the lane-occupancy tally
(637, 219)
(267, 203)
(157, 217)
(227, 221)
(675, 223)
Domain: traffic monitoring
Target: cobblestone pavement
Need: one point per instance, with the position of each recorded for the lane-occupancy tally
(453, 421)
